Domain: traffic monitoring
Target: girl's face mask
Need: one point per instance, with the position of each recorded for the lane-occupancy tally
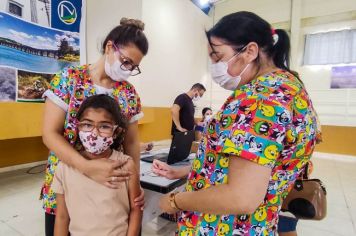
(94, 143)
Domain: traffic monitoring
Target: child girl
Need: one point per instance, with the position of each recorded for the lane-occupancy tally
(85, 207)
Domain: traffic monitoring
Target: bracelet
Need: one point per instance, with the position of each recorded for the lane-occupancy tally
(172, 201)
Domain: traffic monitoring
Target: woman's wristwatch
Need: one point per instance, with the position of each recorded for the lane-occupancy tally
(172, 201)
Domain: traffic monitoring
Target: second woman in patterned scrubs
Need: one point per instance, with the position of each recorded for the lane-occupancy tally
(254, 148)
(123, 50)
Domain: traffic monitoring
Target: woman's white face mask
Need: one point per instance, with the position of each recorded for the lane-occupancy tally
(114, 71)
(220, 75)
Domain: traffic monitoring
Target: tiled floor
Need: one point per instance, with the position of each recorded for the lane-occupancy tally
(21, 214)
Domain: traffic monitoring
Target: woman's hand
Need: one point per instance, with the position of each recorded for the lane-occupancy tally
(140, 200)
(181, 129)
(162, 169)
(149, 146)
(165, 205)
(106, 172)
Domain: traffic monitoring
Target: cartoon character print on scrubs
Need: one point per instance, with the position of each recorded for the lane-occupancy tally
(72, 86)
(269, 121)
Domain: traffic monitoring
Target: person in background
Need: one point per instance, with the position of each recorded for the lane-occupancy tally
(122, 52)
(183, 109)
(85, 207)
(256, 145)
(199, 127)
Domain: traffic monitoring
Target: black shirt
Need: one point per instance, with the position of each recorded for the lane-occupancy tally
(186, 113)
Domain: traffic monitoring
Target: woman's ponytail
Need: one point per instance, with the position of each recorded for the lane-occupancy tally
(281, 49)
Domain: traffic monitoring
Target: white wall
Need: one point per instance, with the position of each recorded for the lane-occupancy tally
(271, 10)
(177, 57)
(102, 16)
(280, 10)
(315, 8)
(334, 106)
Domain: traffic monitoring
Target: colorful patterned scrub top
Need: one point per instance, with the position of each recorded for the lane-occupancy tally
(270, 121)
(68, 89)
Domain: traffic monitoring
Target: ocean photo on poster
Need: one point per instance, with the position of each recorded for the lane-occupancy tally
(31, 47)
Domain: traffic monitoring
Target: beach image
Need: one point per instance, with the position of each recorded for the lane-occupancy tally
(32, 47)
(31, 86)
(7, 84)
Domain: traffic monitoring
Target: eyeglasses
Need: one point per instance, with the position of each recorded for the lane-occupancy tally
(102, 128)
(126, 63)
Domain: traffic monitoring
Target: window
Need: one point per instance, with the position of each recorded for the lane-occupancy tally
(15, 9)
(336, 47)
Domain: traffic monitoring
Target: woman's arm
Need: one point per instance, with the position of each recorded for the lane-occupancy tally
(135, 217)
(132, 149)
(162, 169)
(175, 117)
(52, 133)
(132, 144)
(242, 194)
(61, 226)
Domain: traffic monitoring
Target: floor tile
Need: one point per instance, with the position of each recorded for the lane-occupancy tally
(8, 231)
(338, 226)
(310, 231)
(21, 212)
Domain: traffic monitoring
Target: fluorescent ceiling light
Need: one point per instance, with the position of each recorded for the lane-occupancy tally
(203, 2)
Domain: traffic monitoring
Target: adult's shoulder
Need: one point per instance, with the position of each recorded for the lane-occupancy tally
(280, 86)
(73, 73)
(75, 70)
(127, 88)
(181, 99)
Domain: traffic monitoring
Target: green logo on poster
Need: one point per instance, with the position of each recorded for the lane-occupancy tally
(67, 12)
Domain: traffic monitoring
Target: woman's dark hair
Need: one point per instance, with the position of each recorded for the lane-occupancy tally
(205, 109)
(112, 107)
(240, 28)
(129, 31)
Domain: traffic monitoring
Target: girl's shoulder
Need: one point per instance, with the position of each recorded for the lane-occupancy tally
(126, 87)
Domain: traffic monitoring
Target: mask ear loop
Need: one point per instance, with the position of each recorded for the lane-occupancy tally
(243, 71)
(238, 53)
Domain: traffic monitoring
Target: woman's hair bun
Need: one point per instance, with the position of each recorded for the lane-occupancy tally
(132, 22)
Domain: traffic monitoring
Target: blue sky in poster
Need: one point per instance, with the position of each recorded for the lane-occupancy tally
(34, 35)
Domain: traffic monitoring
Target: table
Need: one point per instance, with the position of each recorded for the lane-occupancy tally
(155, 186)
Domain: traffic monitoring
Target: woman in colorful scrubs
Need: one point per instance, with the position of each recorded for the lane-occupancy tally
(256, 145)
(123, 50)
